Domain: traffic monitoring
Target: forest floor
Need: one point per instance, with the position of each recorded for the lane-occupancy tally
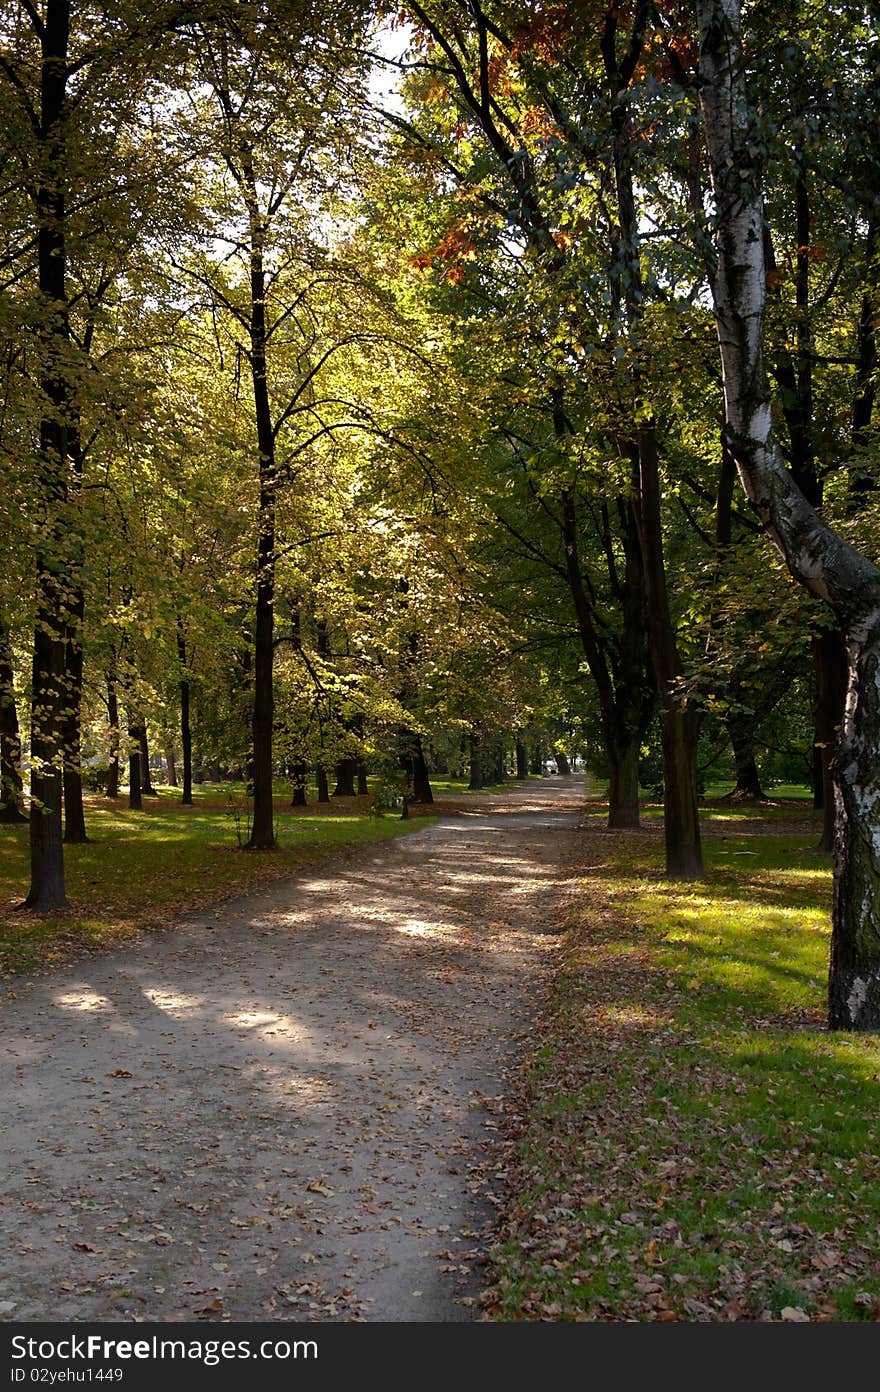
(284, 1107)
(688, 1141)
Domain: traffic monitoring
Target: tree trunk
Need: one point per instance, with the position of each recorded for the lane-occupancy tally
(11, 787)
(623, 790)
(818, 558)
(147, 788)
(621, 698)
(477, 778)
(830, 665)
(58, 553)
(421, 782)
(263, 824)
(299, 798)
(186, 796)
(134, 766)
(362, 786)
(171, 767)
(562, 764)
(323, 784)
(346, 771)
(74, 812)
(113, 721)
(748, 782)
(537, 765)
(680, 726)
(522, 760)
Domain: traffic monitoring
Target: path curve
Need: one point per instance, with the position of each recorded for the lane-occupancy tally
(275, 1111)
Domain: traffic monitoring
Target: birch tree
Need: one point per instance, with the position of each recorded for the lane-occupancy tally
(815, 554)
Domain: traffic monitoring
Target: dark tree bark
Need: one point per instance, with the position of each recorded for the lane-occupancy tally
(186, 796)
(323, 784)
(134, 766)
(748, 782)
(147, 788)
(537, 764)
(619, 675)
(421, 782)
(522, 761)
(263, 824)
(562, 764)
(113, 721)
(346, 772)
(299, 798)
(679, 725)
(362, 785)
(11, 788)
(818, 558)
(74, 812)
(830, 665)
(477, 778)
(58, 552)
(171, 767)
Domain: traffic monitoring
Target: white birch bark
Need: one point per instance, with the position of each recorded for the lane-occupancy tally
(814, 553)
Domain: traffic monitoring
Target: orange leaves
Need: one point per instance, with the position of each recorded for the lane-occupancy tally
(536, 122)
(545, 35)
(451, 252)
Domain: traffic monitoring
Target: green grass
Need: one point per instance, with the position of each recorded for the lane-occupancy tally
(696, 1146)
(141, 869)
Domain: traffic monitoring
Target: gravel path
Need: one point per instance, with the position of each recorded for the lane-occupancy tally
(278, 1109)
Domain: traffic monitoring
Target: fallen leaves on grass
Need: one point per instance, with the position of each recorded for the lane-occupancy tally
(673, 1153)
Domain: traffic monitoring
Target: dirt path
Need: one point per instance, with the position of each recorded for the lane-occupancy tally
(276, 1110)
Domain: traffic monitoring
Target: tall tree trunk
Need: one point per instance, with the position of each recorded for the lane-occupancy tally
(623, 789)
(58, 551)
(143, 743)
(11, 787)
(299, 798)
(748, 782)
(186, 796)
(421, 782)
(477, 778)
(346, 771)
(537, 764)
(134, 765)
(323, 784)
(74, 812)
(522, 761)
(263, 824)
(825, 564)
(171, 766)
(679, 725)
(830, 664)
(113, 721)
(621, 702)
(362, 786)
(562, 764)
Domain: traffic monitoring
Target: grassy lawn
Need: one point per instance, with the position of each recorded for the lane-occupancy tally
(688, 1141)
(142, 869)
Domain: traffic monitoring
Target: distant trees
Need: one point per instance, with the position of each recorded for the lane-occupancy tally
(341, 440)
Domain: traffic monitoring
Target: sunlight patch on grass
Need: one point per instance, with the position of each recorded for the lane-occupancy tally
(720, 1158)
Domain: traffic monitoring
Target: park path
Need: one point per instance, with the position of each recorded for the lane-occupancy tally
(278, 1109)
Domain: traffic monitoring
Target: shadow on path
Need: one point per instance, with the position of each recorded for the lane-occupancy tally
(275, 1110)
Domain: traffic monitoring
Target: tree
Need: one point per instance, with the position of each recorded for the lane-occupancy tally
(816, 556)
